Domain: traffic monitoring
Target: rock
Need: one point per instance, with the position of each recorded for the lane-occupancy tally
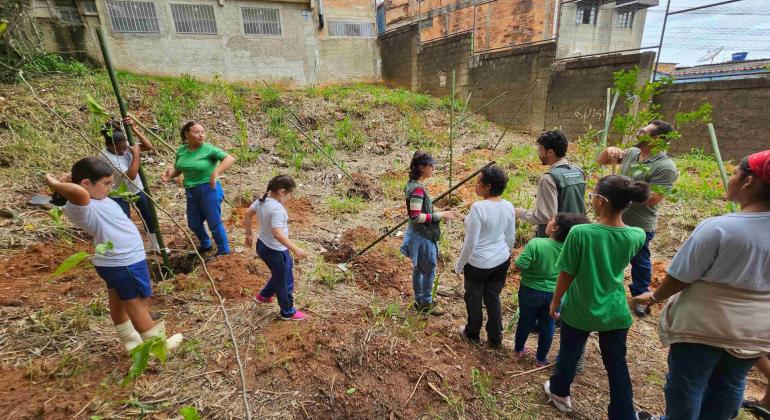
(6, 214)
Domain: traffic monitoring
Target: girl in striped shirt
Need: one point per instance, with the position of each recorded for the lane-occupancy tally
(421, 237)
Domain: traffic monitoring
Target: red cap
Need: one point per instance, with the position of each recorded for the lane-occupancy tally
(759, 164)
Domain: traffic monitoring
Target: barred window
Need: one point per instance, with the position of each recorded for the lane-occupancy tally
(132, 16)
(89, 6)
(69, 15)
(194, 19)
(586, 14)
(626, 19)
(261, 21)
(352, 29)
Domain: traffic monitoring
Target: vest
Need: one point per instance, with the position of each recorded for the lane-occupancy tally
(430, 230)
(570, 188)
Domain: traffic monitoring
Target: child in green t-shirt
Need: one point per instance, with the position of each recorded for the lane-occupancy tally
(537, 263)
(591, 265)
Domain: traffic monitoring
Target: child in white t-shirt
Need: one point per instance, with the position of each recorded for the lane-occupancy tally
(124, 267)
(273, 245)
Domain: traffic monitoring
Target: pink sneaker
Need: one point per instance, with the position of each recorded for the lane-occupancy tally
(518, 355)
(262, 299)
(298, 316)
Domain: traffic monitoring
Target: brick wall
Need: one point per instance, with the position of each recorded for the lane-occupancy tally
(741, 109)
(577, 95)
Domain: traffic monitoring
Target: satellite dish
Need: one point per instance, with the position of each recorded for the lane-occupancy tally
(710, 54)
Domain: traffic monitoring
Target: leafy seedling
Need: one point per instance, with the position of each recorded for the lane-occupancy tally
(77, 258)
(140, 357)
(189, 413)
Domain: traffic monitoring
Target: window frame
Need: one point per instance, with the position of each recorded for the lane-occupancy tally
(580, 15)
(182, 6)
(370, 25)
(84, 9)
(280, 22)
(626, 19)
(158, 27)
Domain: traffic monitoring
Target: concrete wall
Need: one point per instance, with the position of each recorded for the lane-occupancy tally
(577, 94)
(301, 55)
(399, 57)
(741, 110)
(603, 36)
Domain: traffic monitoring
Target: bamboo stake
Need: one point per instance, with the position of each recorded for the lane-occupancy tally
(451, 132)
(152, 133)
(129, 136)
(718, 155)
(482, 107)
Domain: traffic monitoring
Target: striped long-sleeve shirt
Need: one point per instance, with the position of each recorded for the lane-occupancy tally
(416, 214)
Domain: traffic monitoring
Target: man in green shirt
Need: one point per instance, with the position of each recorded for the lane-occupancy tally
(658, 170)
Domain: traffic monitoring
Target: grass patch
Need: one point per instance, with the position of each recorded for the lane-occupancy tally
(348, 136)
(345, 205)
(328, 274)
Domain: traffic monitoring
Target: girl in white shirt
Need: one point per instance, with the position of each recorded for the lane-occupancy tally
(490, 233)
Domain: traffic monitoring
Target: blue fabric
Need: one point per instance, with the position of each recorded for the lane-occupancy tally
(281, 283)
(129, 281)
(534, 307)
(423, 252)
(143, 204)
(704, 382)
(641, 269)
(205, 203)
(613, 348)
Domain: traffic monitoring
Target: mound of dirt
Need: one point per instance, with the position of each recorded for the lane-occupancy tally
(238, 276)
(384, 273)
(364, 187)
(359, 237)
(338, 253)
(300, 211)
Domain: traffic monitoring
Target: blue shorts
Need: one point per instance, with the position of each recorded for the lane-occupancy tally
(129, 281)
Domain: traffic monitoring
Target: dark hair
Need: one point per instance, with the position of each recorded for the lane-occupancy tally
(185, 128)
(565, 222)
(495, 177)
(661, 128)
(117, 136)
(554, 140)
(620, 191)
(419, 159)
(90, 168)
(277, 183)
(746, 171)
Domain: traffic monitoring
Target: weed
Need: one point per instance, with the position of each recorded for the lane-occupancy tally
(328, 275)
(54, 63)
(412, 325)
(270, 98)
(482, 381)
(339, 206)
(655, 379)
(192, 348)
(392, 186)
(348, 136)
(260, 347)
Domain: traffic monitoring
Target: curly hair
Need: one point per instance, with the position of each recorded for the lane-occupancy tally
(495, 177)
(554, 140)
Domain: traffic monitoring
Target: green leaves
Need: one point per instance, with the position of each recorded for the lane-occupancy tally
(189, 413)
(122, 192)
(55, 214)
(71, 262)
(351, 391)
(95, 107)
(140, 357)
(102, 249)
(702, 114)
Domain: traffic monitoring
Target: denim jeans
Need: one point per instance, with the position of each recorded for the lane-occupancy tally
(423, 252)
(485, 285)
(143, 204)
(704, 382)
(613, 348)
(281, 283)
(641, 268)
(205, 203)
(534, 307)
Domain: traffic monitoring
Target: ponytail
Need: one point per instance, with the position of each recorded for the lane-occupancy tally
(620, 191)
(277, 183)
(112, 133)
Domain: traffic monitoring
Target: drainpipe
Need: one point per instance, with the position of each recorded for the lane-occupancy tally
(320, 15)
(556, 17)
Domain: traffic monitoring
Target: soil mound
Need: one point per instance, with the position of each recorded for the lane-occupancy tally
(364, 187)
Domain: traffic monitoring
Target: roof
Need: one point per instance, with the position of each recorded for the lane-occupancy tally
(728, 67)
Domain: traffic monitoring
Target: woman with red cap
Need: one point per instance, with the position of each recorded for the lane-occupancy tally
(716, 322)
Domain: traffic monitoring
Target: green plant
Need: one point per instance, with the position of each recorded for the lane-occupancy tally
(482, 381)
(189, 413)
(140, 357)
(271, 98)
(328, 274)
(338, 206)
(77, 258)
(347, 135)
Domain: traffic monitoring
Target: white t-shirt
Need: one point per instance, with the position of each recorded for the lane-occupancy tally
(271, 214)
(490, 233)
(733, 249)
(123, 162)
(105, 221)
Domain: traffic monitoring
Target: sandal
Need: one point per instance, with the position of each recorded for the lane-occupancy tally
(755, 408)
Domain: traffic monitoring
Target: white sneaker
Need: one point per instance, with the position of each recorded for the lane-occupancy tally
(563, 404)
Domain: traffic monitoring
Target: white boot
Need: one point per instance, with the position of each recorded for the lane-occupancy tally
(128, 335)
(160, 330)
(154, 245)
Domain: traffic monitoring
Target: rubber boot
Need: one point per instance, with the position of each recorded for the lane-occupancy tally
(160, 330)
(128, 335)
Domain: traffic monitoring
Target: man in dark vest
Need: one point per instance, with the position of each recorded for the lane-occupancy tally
(562, 188)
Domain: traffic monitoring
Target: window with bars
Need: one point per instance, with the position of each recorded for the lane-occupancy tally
(194, 19)
(261, 21)
(89, 6)
(69, 15)
(132, 16)
(352, 29)
(626, 19)
(586, 14)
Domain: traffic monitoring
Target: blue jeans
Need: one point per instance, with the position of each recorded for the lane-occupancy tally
(704, 382)
(613, 348)
(641, 269)
(534, 306)
(423, 252)
(205, 203)
(143, 204)
(281, 283)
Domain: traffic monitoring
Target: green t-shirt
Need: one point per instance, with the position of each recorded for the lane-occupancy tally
(197, 165)
(597, 255)
(662, 173)
(538, 264)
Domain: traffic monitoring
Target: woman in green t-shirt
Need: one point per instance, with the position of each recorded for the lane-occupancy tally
(591, 264)
(201, 164)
